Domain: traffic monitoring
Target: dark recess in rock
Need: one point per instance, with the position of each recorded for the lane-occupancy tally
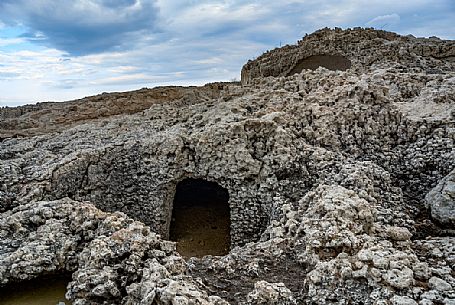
(331, 62)
(200, 218)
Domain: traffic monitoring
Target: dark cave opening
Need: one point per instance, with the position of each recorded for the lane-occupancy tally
(331, 62)
(200, 222)
(48, 289)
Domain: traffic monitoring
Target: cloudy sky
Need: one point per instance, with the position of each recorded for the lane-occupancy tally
(59, 50)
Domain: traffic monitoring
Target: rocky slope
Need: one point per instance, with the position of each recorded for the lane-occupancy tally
(42, 118)
(340, 182)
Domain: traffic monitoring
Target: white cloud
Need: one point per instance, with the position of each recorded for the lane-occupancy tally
(10, 41)
(208, 61)
(81, 27)
(124, 69)
(384, 20)
(140, 78)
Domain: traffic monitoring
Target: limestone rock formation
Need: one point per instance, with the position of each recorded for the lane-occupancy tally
(329, 175)
(270, 293)
(356, 49)
(441, 201)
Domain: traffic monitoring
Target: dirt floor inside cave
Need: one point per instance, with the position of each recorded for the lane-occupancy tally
(200, 231)
(200, 221)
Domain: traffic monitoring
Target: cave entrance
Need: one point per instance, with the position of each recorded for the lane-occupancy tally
(331, 62)
(200, 221)
(40, 291)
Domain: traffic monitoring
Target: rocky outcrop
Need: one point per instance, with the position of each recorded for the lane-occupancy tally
(327, 173)
(359, 49)
(42, 118)
(113, 258)
(441, 201)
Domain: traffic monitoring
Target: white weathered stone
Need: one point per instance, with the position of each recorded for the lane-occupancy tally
(403, 300)
(441, 201)
(439, 284)
(270, 293)
(399, 278)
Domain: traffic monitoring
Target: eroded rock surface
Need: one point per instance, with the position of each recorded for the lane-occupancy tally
(359, 49)
(108, 254)
(441, 201)
(42, 118)
(327, 174)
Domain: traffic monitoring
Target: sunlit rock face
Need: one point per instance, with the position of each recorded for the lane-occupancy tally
(325, 171)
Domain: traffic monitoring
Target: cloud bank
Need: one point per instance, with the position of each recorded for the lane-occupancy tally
(81, 27)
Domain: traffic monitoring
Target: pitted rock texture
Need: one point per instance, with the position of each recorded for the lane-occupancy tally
(113, 258)
(441, 201)
(359, 49)
(270, 293)
(327, 174)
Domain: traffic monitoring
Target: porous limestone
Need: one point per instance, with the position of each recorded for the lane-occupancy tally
(330, 175)
(441, 201)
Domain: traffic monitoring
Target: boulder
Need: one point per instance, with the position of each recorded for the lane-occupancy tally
(441, 201)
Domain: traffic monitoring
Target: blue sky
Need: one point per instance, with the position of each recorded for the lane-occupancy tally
(59, 50)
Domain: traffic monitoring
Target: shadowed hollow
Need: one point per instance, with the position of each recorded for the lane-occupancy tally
(42, 291)
(200, 218)
(331, 62)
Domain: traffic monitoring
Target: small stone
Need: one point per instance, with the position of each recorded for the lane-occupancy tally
(421, 271)
(380, 262)
(365, 255)
(437, 253)
(399, 278)
(315, 277)
(402, 300)
(430, 295)
(270, 293)
(441, 200)
(439, 284)
(361, 273)
(449, 301)
(376, 273)
(399, 233)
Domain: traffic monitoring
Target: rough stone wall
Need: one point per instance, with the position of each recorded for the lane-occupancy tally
(364, 48)
(96, 247)
(131, 179)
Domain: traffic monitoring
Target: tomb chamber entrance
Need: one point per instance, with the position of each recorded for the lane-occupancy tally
(331, 62)
(200, 222)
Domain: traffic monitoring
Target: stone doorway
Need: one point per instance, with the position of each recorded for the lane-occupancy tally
(200, 222)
